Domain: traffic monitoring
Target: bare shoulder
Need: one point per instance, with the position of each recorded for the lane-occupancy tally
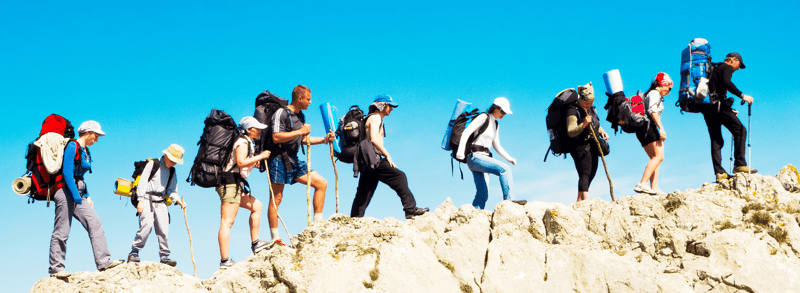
(373, 119)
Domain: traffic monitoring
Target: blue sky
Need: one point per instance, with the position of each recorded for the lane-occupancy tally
(150, 72)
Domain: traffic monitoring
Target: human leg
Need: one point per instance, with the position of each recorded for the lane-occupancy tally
(58, 240)
(364, 192)
(161, 223)
(320, 186)
(397, 181)
(230, 196)
(146, 220)
(717, 142)
(486, 164)
(274, 202)
(728, 119)
(481, 189)
(654, 150)
(249, 202)
(86, 215)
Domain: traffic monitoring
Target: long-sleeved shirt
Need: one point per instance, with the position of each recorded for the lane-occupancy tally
(721, 83)
(159, 183)
(73, 172)
(574, 128)
(489, 137)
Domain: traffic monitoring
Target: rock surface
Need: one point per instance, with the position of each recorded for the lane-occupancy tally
(739, 235)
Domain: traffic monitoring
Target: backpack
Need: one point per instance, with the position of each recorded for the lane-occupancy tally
(560, 142)
(458, 126)
(267, 104)
(696, 70)
(137, 175)
(630, 110)
(216, 144)
(44, 184)
(351, 131)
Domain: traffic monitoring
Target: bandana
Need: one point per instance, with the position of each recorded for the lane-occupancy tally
(663, 79)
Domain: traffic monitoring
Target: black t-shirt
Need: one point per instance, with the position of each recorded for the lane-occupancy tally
(286, 120)
(720, 82)
(587, 133)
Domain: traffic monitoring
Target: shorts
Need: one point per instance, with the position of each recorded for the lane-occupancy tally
(648, 135)
(230, 193)
(278, 174)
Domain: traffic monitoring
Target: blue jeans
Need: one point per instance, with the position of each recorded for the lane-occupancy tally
(480, 165)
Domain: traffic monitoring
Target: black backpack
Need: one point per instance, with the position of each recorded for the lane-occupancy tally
(137, 173)
(351, 131)
(560, 142)
(459, 125)
(216, 144)
(267, 104)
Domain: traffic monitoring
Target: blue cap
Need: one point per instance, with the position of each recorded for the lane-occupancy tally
(387, 99)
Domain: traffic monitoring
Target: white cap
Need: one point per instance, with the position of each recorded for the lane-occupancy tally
(175, 153)
(250, 122)
(503, 104)
(90, 126)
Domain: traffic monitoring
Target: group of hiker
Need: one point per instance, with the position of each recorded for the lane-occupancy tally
(271, 139)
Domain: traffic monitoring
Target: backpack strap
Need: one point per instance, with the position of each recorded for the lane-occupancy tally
(153, 169)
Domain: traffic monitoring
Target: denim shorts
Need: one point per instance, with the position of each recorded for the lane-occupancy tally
(279, 175)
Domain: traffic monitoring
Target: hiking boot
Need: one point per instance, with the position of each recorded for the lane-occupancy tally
(112, 265)
(521, 202)
(722, 176)
(169, 262)
(416, 212)
(641, 188)
(226, 263)
(61, 275)
(259, 245)
(744, 169)
(133, 257)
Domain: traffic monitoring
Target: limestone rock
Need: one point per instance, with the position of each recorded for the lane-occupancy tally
(741, 235)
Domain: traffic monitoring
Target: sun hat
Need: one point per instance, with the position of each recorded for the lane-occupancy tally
(90, 126)
(503, 104)
(175, 153)
(251, 122)
(586, 92)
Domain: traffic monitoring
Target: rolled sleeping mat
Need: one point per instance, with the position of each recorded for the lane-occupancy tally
(329, 119)
(459, 108)
(123, 187)
(613, 81)
(22, 185)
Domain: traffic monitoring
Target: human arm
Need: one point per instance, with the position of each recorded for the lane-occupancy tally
(573, 128)
(727, 74)
(68, 171)
(144, 187)
(330, 137)
(279, 135)
(242, 159)
(499, 148)
(374, 132)
(472, 128)
(656, 116)
(172, 191)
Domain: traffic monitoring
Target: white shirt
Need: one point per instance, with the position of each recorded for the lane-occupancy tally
(244, 170)
(653, 102)
(490, 137)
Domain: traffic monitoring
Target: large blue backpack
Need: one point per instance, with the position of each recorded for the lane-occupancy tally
(696, 69)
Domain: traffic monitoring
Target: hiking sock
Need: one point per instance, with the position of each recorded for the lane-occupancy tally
(318, 217)
(274, 233)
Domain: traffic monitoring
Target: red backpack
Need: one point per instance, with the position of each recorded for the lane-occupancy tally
(637, 104)
(43, 184)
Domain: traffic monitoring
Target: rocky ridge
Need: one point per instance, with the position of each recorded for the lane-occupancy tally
(723, 237)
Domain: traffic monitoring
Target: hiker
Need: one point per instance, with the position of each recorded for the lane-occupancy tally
(152, 206)
(73, 201)
(653, 135)
(379, 165)
(585, 152)
(479, 158)
(720, 84)
(237, 195)
(289, 132)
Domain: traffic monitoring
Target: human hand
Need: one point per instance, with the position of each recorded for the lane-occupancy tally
(747, 99)
(140, 206)
(305, 129)
(264, 155)
(663, 135)
(390, 162)
(460, 156)
(89, 200)
(330, 137)
(587, 120)
(182, 204)
(513, 161)
(604, 135)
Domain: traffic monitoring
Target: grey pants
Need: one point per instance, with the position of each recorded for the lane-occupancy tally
(153, 214)
(66, 209)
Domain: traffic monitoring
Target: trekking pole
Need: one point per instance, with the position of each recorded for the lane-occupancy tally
(600, 148)
(272, 195)
(333, 161)
(191, 246)
(749, 151)
(308, 186)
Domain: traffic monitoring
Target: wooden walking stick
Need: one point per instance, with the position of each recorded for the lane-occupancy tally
(602, 156)
(333, 161)
(272, 195)
(191, 247)
(308, 186)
